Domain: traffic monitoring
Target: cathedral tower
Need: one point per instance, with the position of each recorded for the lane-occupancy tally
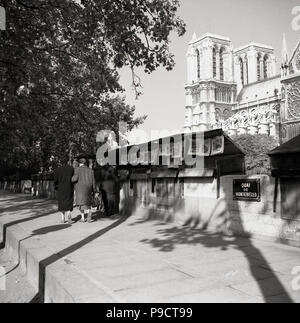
(253, 63)
(210, 88)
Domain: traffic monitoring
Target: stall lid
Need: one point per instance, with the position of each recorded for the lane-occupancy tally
(170, 173)
(196, 173)
(290, 147)
(140, 174)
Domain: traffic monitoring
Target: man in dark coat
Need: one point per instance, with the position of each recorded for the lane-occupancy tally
(64, 191)
(85, 186)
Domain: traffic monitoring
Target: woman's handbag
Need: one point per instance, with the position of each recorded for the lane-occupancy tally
(97, 201)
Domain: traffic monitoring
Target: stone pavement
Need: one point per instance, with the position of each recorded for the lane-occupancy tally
(133, 260)
(17, 289)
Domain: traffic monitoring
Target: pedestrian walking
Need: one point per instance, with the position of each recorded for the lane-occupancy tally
(85, 187)
(64, 191)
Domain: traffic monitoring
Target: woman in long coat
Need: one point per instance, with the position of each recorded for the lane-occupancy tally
(65, 191)
(85, 186)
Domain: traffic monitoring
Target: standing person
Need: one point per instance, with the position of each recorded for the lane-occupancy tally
(85, 185)
(65, 191)
(108, 190)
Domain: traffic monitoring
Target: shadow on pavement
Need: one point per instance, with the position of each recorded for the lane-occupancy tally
(170, 238)
(36, 214)
(21, 202)
(37, 208)
(67, 251)
(38, 232)
(196, 232)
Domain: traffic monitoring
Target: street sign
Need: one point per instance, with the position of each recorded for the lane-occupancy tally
(247, 190)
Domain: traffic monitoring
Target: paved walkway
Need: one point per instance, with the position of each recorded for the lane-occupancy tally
(17, 288)
(132, 260)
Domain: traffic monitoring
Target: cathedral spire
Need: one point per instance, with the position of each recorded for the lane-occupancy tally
(194, 37)
(284, 57)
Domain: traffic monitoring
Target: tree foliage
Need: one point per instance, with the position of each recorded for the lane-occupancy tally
(257, 148)
(59, 70)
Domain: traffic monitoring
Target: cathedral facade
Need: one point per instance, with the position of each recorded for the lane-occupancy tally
(240, 91)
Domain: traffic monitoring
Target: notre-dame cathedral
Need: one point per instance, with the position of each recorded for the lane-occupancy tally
(240, 91)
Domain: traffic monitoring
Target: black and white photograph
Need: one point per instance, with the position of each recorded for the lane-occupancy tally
(149, 154)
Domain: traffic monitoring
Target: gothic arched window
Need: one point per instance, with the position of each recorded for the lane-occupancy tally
(266, 58)
(198, 64)
(242, 70)
(258, 67)
(246, 70)
(214, 62)
(221, 64)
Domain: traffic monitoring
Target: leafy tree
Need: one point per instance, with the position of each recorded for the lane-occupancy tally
(59, 70)
(257, 148)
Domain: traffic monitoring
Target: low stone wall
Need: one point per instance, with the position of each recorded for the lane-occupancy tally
(11, 186)
(43, 188)
(38, 188)
(198, 205)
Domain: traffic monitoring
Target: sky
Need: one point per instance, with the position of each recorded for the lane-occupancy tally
(243, 21)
